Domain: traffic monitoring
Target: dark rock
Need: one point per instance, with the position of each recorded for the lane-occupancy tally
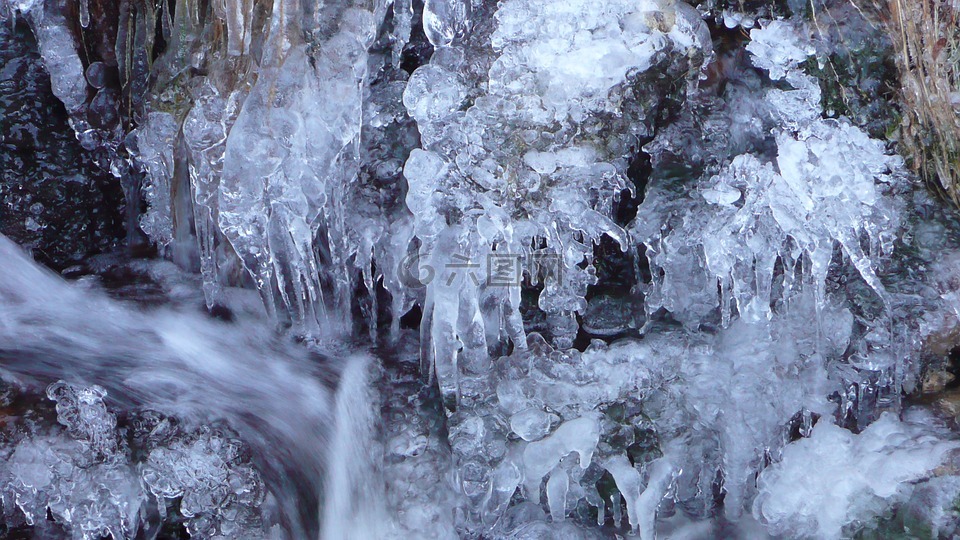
(54, 200)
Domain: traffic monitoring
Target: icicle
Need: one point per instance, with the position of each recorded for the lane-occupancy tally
(616, 504)
(239, 17)
(156, 139)
(661, 476)
(580, 435)
(402, 27)
(806, 423)
(443, 301)
(184, 244)
(629, 485)
(84, 13)
(204, 130)
(443, 20)
(557, 486)
(166, 21)
(593, 498)
(503, 483)
(726, 284)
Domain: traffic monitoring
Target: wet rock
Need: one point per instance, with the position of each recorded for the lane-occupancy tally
(54, 200)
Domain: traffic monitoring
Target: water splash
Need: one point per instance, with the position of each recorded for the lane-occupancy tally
(354, 506)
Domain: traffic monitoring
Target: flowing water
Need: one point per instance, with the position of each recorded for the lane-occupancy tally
(180, 363)
(310, 419)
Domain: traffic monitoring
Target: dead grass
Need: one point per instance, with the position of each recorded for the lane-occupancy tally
(926, 38)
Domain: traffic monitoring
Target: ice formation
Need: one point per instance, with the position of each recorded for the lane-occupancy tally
(823, 190)
(520, 166)
(83, 479)
(218, 489)
(856, 478)
(728, 336)
(90, 480)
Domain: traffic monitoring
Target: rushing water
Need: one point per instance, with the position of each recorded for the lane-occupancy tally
(181, 363)
(355, 506)
(312, 420)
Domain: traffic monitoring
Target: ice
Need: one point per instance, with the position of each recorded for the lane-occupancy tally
(88, 479)
(739, 388)
(629, 485)
(155, 147)
(531, 424)
(238, 17)
(727, 391)
(557, 486)
(83, 479)
(641, 500)
(53, 474)
(826, 187)
(732, 19)
(219, 490)
(240, 161)
(660, 479)
(732, 387)
(856, 477)
(579, 435)
(519, 166)
(421, 498)
(781, 278)
(205, 134)
(779, 48)
(59, 53)
(932, 504)
(285, 159)
(85, 416)
(443, 20)
(84, 13)
(382, 228)
(403, 26)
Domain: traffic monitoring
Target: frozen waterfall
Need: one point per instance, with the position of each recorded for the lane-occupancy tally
(468, 268)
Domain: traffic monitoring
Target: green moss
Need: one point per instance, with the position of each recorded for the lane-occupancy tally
(173, 97)
(896, 525)
(761, 8)
(858, 84)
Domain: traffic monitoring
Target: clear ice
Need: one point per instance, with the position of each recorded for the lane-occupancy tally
(736, 356)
